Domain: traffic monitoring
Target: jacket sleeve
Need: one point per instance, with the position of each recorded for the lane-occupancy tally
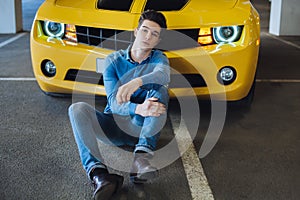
(112, 83)
(161, 72)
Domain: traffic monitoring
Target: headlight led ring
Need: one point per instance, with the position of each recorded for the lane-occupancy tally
(54, 29)
(226, 34)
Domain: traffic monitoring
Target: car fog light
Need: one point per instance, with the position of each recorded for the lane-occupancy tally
(226, 75)
(48, 68)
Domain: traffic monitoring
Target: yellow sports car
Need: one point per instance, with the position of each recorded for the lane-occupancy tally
(212, 46)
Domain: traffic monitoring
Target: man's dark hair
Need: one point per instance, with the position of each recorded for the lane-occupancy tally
(154, 16)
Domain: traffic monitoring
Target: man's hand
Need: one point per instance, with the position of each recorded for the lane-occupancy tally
(150, 107)
(125, 91)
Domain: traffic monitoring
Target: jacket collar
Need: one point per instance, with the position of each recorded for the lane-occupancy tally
(128, 57)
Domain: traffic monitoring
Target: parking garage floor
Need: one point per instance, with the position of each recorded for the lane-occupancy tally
(256, 157)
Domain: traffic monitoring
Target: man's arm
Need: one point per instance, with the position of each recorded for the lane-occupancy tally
(125, 91)
(160, 75)
(150, 108)
(111, 83)
(118, 95)
(161, 72)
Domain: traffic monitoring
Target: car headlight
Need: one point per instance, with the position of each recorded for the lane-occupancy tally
(227, 34)
(205, 36)
(70, 34)
(53, 29)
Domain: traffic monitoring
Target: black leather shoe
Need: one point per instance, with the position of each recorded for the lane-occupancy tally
(105, 185)
(142, 170)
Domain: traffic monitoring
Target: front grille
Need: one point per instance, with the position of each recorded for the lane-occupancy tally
(186, 81)
(177, 81)
(179, 39)
(119, 39)
(84, 76)
(104, 38)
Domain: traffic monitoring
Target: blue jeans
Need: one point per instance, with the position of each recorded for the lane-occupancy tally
(89, 124)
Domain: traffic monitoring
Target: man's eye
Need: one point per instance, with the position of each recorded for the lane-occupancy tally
(155, 34)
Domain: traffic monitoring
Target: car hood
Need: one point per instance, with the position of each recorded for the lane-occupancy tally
(210, 5)
(202, 5)
(195, 13)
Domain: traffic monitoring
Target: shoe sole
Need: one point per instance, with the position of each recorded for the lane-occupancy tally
(144, 177)
(106, 192)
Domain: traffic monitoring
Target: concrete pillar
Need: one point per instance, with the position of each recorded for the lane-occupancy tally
(10, 16)
(284, 17)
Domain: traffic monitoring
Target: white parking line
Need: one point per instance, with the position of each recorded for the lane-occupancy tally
(278, 80)
(257, 80)
(281, 40)
(18, 79)
(12, 39)
(197, 180)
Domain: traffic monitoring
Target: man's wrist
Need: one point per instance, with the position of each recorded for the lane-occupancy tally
(137, 109)
(132, 108)
(139, 81)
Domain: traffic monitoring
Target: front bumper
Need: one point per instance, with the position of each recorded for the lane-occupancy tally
(206, 61)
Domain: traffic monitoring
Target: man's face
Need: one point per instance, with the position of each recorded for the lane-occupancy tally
(147, 35)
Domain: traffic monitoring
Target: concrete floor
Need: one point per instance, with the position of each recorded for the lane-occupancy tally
(256, 157)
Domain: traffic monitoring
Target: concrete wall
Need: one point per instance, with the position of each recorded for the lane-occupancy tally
(285, 17)
(10, 16)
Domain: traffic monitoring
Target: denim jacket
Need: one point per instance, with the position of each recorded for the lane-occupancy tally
(120, 69)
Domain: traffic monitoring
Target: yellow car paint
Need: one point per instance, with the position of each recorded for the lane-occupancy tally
(242, 55)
